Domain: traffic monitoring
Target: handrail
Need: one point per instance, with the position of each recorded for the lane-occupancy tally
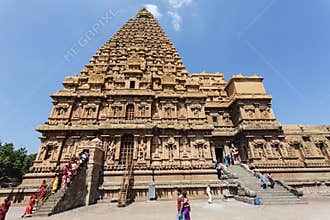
(296, 192)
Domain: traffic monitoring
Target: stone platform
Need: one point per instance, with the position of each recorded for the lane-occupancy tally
(164, 210)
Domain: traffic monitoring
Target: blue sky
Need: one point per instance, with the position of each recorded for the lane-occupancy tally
(286, 42)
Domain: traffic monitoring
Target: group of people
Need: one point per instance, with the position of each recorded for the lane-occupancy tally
(61, 180)
(229, 159)
(183, 206)
(267, 180)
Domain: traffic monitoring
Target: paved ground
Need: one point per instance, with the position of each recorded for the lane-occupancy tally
(201, 210)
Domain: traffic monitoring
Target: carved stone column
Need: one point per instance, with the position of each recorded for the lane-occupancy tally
(117, 139)
(136, 146)
(226, 148)
(148, 150)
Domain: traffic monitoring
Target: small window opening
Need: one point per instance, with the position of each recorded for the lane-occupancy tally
(132, 84)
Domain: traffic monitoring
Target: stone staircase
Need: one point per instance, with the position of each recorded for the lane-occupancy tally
(74, 196)
(46, 209)
(279, 195)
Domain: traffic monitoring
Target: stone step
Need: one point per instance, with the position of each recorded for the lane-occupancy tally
(283, 202)
(274, 193)
(52, 201)
(48, 206)
(275, 189)
(42, 213)
(276, 196)
(55, 197)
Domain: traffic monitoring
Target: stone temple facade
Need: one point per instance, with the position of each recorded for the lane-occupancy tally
(136, 107)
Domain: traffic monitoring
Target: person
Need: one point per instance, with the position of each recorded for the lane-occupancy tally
(55, 183)
(63, 182)
(227, 161)
(68, 177)
(65, 170)
(186, 209)
(232, 159)
(4, 208)
(29, 207)
(74, 167)
(209, 195)
(271, 180)
(263, 181)
(219, 172)
(179, 202)
(236, 155)
(42, 190)
(84, 157)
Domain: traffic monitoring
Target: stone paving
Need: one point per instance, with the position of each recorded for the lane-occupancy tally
(201, 210)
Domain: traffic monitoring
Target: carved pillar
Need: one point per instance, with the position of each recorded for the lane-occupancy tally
(251, 153)
(163, 151)
(148, 150)
(269, 149)
(117, 139)
(190, 146)
(177, 146)
(136, 146)
(226, 148)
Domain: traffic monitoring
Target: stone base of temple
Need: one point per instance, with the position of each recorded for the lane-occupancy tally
(166, 183)
(164, 192)
(33, 180)
(19, 195)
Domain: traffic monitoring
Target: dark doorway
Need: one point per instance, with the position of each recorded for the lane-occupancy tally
(126, 150)
(219, 154)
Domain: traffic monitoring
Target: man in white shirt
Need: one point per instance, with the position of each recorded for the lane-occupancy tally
(209, 195)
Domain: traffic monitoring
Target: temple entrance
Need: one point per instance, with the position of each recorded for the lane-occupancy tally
(126, 150)
(219, 154)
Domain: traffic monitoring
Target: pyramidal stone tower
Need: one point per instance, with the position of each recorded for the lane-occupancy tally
(139, 113)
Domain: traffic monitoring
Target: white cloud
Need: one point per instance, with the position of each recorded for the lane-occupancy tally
(173, 7)
(153, 10)
(176, 20)
(176, 4)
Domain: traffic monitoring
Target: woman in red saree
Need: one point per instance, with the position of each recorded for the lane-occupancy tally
(4, 208)
(42, 190)
(30, 205)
